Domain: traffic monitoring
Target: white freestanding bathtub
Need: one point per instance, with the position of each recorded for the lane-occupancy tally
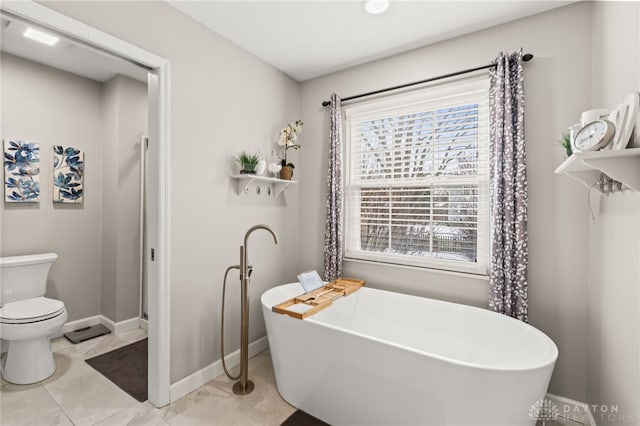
(382, 358)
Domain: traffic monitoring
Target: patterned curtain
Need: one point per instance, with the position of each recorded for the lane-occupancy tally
(508, 162)
(333, 221)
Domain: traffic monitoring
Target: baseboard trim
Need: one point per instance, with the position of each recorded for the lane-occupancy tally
(115, 327)
(199, 378)
(122, 326)
(572, 409)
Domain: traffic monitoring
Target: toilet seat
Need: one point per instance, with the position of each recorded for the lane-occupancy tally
(30, 310)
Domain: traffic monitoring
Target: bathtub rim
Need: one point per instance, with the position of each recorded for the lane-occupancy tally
(466, 364)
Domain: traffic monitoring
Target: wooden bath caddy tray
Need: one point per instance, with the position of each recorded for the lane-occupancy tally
(307, 304)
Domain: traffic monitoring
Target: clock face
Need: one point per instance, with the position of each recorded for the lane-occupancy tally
(593, 136)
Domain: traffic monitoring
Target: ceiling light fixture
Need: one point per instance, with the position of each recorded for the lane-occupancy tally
(375, 7)
(36, 35)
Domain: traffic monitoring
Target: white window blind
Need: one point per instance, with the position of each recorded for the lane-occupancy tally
(417, 178)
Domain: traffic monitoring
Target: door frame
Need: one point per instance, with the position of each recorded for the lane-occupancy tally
(158, 218)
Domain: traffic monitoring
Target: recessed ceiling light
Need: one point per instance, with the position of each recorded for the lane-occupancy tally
(40, 36)
(375, 7)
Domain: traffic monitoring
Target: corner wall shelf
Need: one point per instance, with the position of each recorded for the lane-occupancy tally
(244, 181)
(622, 166)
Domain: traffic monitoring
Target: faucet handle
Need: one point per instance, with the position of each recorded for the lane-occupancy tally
(249, 272)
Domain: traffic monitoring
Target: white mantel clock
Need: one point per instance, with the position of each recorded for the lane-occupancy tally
(594, 136)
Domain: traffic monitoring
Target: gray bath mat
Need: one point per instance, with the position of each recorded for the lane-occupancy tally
(300, 418)
(126, 367)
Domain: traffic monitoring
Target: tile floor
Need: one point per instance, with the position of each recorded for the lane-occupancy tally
(78, 395)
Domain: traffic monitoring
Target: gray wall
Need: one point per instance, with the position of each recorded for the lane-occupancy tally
(52, 107)
(125, 121)
(557, 88)
(223, 100)
(97, 270)
(614, 243)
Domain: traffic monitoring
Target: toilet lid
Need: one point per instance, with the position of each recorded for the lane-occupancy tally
(30, 310)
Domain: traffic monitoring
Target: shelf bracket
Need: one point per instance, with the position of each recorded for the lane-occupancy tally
(587, 177)
(621, 166)
(623, 169)
(243, 185)
(279, 187)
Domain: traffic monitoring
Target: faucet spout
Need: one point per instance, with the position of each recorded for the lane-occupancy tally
(256, 227)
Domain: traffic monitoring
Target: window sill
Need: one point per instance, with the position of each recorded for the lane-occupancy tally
(467, 275)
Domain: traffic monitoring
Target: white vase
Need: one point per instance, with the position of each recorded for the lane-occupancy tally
(261, 167)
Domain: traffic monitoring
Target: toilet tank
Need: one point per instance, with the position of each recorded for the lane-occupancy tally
(24, 277)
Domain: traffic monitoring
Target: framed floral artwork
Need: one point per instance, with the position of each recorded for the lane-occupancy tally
(68, 175)
(21, 172)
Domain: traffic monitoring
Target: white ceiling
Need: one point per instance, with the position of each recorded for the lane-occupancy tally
(306, 39)
(66, 55)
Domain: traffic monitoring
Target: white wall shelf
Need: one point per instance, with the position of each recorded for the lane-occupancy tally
(244, 181)
(622, 166)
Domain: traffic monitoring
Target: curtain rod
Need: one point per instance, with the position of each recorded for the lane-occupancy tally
(526, 58)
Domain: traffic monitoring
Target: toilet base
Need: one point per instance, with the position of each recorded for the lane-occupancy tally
(28, 361)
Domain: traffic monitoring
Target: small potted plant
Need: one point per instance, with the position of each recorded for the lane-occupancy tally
(566, 144)
(287, 140)
(248, 162)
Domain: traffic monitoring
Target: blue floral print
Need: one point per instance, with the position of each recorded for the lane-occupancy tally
(68, 173)
(21, 171)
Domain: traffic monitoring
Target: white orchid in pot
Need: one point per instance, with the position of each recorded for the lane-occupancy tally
(287, 139)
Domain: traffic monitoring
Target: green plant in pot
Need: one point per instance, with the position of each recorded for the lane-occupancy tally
(248, 162)
(287, 139)
(566, 144)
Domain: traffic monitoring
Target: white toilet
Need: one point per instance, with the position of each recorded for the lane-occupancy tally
(27, 318)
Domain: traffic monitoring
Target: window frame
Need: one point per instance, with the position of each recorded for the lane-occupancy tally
(351, 212)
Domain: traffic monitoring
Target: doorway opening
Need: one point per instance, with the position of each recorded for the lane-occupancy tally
(152, 187)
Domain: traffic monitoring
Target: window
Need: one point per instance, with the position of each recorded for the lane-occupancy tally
(417, 178)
